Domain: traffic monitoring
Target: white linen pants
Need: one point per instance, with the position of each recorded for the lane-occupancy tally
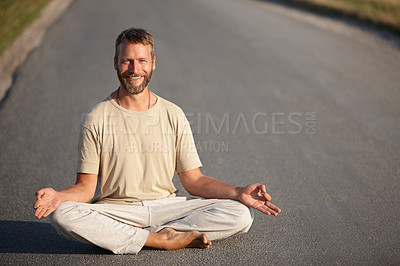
(115, 227)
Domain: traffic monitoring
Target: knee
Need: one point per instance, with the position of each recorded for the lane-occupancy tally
(242, 216)
(62, 217)
(246, 217)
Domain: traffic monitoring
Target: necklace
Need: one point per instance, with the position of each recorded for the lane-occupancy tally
(148, 105)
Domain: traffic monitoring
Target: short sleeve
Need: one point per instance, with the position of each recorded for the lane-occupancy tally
(88, 152)
(187, 157)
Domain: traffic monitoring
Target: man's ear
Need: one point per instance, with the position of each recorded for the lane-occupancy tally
(115, 63)
(154, 63)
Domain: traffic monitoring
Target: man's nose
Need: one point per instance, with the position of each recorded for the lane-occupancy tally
(134, 68)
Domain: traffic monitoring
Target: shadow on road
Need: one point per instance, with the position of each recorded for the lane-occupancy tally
(39, 238)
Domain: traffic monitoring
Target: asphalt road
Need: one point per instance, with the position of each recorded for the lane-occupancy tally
(311, 113)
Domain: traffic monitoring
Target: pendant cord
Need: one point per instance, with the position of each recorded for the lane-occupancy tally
(148, 105)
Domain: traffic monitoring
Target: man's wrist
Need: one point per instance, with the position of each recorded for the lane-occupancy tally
(60, 196)
(238, 193)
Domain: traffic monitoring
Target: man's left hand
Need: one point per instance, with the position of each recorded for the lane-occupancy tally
(256, 196)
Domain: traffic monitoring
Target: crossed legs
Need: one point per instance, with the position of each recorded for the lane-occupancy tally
(171, 224)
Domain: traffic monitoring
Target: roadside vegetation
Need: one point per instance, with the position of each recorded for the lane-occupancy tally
(383, 13)
(15, 15)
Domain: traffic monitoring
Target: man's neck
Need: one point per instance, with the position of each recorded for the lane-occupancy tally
(134, 102)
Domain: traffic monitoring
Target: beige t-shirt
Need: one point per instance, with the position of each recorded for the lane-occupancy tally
(136, 153)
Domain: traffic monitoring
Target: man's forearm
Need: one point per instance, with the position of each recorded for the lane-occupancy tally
(208, 187)
(75, 193)
(48, 200)
(82, 191)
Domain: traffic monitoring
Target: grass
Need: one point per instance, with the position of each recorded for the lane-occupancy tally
(15, 16)
(382, 13)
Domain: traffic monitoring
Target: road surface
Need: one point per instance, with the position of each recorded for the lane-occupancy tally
(311, 113)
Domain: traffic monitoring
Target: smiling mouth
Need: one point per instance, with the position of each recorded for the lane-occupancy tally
(134, 78)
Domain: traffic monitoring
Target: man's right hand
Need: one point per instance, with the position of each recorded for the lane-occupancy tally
(47, 201)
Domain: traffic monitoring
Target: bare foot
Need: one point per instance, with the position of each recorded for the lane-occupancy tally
(170, 239)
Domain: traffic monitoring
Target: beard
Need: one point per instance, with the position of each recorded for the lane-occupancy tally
(131, 88)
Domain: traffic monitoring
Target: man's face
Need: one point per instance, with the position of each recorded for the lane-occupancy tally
(134, 66)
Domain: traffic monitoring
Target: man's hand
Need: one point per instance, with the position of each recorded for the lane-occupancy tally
(47, 201)
(256, 196)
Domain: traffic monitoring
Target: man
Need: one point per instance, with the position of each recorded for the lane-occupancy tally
(133, 141)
